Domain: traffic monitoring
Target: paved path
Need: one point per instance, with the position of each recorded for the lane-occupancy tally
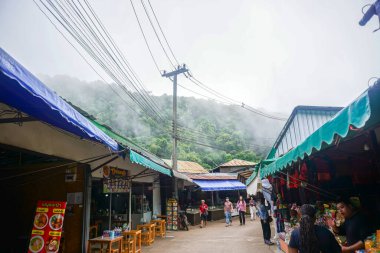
(215, 238)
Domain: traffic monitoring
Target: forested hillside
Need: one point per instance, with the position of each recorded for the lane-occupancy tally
(211, 133)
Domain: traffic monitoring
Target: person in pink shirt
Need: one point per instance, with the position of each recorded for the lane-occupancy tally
(227, 211)
(241, 206)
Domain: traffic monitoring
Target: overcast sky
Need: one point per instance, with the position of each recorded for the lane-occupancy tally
(270, 54)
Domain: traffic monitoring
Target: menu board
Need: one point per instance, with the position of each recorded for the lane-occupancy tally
(115, 180)
(47, 227)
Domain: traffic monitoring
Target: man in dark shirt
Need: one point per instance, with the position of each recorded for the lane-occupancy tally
(326, 241)
(356, 227)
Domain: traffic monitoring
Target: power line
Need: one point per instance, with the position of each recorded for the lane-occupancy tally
(162, 32)
(82, 56)
(155, 32)
(145, 39)
(101, 56)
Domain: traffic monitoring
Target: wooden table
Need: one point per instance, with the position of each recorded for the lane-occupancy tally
(136, 235)
(162, 216)
(151, 230)
(160, 227)
(105, 241)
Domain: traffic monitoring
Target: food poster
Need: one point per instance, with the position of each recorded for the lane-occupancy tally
(47, 227)
(115, 180)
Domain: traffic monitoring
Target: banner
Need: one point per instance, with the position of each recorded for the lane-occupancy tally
(47, 227)
(115, 180)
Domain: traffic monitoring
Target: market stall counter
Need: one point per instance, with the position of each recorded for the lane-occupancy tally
(215, 214)
(193, 216)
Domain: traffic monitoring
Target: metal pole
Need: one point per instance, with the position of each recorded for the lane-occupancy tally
(174, 74)
(110, 213)
(142, 204)
(174, 156)
(130, 205)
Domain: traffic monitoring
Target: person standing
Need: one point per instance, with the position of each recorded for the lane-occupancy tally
(227, 211)
(241, 206)
(252, 208)
(356, 226)
(311, 238)
(264, 219)
(203, 208)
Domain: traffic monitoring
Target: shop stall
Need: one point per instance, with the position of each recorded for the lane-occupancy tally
(50, 151)
(340, 158)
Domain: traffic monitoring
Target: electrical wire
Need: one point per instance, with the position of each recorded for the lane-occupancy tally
(145, 39)
(84, 58)
(97, 57)
(162, 32)
(75, 23)
(157, 36)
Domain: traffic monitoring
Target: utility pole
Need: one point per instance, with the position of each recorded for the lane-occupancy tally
(174, 74)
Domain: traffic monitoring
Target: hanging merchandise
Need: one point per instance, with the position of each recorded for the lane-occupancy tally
(303, 184)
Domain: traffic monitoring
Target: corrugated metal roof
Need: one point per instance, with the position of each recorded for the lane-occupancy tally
(213, 176)
(245, 174)
(303, 121)
(237, 163)
(187, 167)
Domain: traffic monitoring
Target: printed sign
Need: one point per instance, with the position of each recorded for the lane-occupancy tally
(47, 227)
(115, 180)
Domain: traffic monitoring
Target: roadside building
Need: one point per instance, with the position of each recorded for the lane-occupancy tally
(50, 151)
(234, 166)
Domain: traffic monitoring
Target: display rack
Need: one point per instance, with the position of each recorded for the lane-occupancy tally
(172, 214)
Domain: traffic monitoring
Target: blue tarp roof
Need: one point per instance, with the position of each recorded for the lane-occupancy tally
(220, 185)
(22, 90)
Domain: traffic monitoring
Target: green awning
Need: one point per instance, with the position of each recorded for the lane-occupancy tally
(117, 137)
(145, 162)
(135, 157)
(356, 115)
(261, 164)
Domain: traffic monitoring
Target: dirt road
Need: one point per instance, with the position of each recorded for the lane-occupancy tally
(215, 238)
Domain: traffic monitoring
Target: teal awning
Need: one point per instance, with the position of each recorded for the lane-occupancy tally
(255, 173)
(145, 162)
(356, 115)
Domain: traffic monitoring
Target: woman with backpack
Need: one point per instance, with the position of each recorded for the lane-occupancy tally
(265, 219)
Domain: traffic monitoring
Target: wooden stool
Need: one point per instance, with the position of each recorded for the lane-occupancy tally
(135, 237)
(128, 246)
(160, 227)
(115, 251)
(145, 238)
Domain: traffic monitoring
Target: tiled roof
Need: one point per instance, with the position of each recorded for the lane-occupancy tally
(213, 176)
(187, 167)
(237, 163)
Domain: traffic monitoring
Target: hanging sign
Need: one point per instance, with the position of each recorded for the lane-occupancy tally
(47, 227)
(115, 180)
